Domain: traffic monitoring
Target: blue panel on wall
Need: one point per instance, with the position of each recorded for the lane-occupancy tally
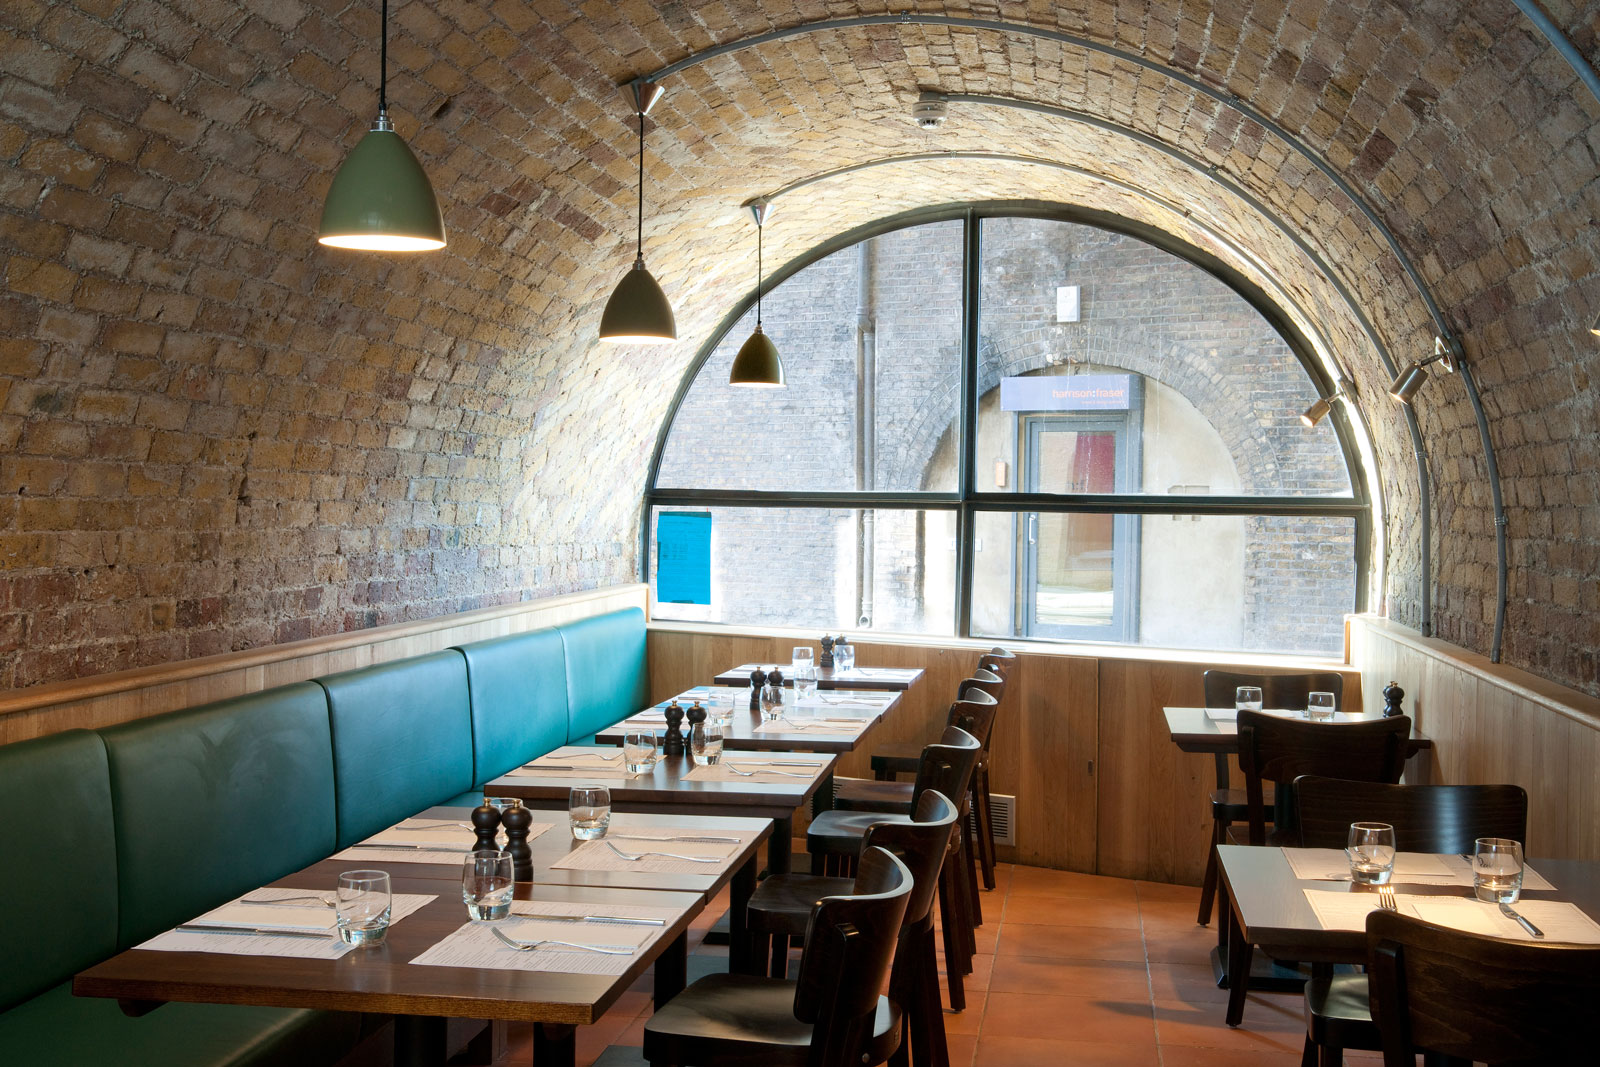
(683, 557)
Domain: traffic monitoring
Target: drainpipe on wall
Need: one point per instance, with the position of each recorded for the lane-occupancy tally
(866, 423)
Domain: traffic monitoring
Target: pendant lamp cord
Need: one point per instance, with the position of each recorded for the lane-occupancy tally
(383, 61)
(640, 245)
(759, 229)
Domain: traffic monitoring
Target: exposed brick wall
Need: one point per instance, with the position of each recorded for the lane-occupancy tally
(418, 435)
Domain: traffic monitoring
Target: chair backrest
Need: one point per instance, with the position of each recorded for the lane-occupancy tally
(947, 767)
(1281, 691)
(921, 844)
(1426, 818)
(982, 681)
(974, 712)
(850, 943)
(1276, 749)
(997, 660)
(1479, 998)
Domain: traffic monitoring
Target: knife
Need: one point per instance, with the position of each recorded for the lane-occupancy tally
(204, 928)
(700, 840)
(622, 920)
(1508, 910)
(406, 847)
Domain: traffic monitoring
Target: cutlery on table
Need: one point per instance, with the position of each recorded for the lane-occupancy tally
(706, 840)
(287, 901)
(616, 920)
(1512, 913)
(591, 755)
(435, 826)
(529, 946)
(206, 928)
(407, 847)
(631, 858)
(1386, 899)
(749, 774)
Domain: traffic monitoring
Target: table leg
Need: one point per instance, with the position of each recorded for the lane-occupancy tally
(739, 890)
(1239, 952)
(778, 848)
(672, 971)
(554, 1044)
(420, 1041)
(822, 799)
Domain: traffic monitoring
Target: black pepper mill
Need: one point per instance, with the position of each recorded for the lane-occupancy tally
(1392, 696)
(758, 678)
(485, 824)
(775, 680)
(672, 743)
(518, 821)
(827, 652)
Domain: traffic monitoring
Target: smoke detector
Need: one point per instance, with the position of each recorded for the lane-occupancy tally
(930, 110)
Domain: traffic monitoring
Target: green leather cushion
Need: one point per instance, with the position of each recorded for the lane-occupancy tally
(58, 863)
(606, 674)
(518, 687)
(218, 800)
(402, 740)
(57, 1029)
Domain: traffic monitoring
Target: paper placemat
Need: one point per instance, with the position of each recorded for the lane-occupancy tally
(761, 772)
(421, 841)
(1415, 868)
(837, 727)
(295, 945)
(1560, 920)
(603, 855)
(570, 761)
(474, 945)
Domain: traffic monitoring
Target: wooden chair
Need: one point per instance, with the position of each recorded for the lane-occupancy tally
(832, 1015)
(837, 835)
(1426, 818)
(1279, 750)
(1228, 805)
(1472, 998)
(781, 908)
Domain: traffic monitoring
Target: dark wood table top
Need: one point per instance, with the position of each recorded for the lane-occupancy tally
(1270, 904)
(382, 979)
(829, 678)
(665, 789)
(741, 733)
(1192, 730)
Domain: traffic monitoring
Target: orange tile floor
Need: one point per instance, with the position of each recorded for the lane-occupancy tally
(1071, 969)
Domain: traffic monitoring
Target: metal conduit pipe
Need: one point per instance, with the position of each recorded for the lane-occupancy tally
(1558, 40)
(865, 431)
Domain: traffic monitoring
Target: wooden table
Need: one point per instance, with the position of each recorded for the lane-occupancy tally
(900, 678)
(1270, 911)
(741, 733)
(1192, 730)
(665, 790)
(383, 981)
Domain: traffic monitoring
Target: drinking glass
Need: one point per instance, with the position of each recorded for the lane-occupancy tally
(589, 811)
(801, 656)
(705, 743)
(805, 682)
(844, 657)
(1247, 698)
(638, 749)
(1497, 870)
(721, 708)
(1371, 851)
(486, 885)
(1319, 707)
(771, 702)
(361, 907)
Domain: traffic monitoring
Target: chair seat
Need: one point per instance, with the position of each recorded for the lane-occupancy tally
(864, 794)
(1230, 805)
(840, 832)
(1338, 1013)
(1240, 835)
(898, 758)
(782, 903)
(730, 1018)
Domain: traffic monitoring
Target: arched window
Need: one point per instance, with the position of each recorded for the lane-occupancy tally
(1012, 425)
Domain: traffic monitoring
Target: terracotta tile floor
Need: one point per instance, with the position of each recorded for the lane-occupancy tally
(1072, 968)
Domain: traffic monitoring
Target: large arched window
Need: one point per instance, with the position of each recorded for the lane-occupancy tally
(1012, 425)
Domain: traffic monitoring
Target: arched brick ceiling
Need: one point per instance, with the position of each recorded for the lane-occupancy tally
(419, 435)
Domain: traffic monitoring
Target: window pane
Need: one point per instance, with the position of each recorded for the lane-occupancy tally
(828, 568)
(871, 343)
(1256, 583)
(1084, 330)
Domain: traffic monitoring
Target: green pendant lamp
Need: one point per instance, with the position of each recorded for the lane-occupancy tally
(638, 311)
(381, 199)
(757, 364)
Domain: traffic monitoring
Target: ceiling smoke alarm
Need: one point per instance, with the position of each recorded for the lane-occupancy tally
(930, 110)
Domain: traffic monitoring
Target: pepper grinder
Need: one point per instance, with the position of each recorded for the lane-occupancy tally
(672, 743)
(1392, 696)
(486, 824)
(775, 680)
(518, 821)
(827, 652)
(758, 678)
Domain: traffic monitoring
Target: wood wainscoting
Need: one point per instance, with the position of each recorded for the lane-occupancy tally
(112, 698)
(1493, 723)
(1099, 785)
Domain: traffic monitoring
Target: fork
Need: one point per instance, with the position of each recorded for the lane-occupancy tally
(630, 857)
(285, 900)
(1386, 899)
(529, 946)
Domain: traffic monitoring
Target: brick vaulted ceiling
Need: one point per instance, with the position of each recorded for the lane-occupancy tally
(215, 434)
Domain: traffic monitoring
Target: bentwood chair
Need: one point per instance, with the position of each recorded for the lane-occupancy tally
(1228, 805)
(1278, 750)
(1468, 998)
(832, 1015)
(1444, 819)
(780, 908)
(947, 769)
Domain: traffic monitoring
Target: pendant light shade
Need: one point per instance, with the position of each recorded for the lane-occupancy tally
(758, 363)
(381, 199)
(638, 311)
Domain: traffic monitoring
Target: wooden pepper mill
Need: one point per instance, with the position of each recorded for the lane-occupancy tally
(518, 821)
(485, 824)
(827, 652)
(672, 743)
(758, 678)
(1392, 696)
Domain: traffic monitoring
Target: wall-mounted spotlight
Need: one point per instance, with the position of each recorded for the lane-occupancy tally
(1408, 381)
(1595, 329)
(1342, 388)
